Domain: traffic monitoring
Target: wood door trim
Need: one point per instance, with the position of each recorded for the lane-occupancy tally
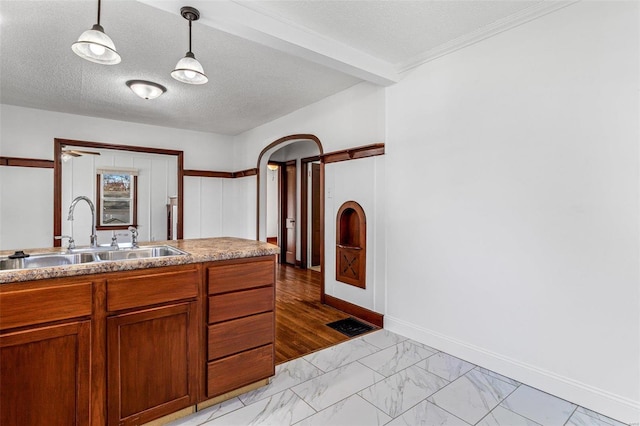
(26, 162)
(282, 222)
(284, 209)
(354, 153)
(322, 188)
(58, 144)
(304, 209)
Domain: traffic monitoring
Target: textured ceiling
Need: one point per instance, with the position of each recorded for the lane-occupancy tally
(263, 59)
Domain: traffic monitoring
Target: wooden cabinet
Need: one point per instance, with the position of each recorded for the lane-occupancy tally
(129, 347)
(152, 352)
(241, 323)
(151, 357)
(45, 353)
(45, 375)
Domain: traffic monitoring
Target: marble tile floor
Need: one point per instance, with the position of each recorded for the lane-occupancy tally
(382, 378)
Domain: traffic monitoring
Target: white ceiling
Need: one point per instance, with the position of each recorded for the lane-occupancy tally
(264, 59)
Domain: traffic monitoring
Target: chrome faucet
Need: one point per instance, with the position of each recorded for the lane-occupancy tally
(72, 244)
(94, 237)
(134, 236)
(114, 241)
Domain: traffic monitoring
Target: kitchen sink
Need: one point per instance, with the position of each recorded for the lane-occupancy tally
(138, 253)
(79, 256)
(46, 260)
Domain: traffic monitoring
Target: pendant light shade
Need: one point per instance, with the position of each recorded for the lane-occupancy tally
(188, 69)
(95, 46)
(146, 89)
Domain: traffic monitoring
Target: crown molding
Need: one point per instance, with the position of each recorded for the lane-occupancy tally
(499, 26)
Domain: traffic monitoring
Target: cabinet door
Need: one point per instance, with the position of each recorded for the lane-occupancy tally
(152, 355)
(45, 375)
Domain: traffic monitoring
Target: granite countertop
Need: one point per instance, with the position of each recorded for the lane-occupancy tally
(199, 250)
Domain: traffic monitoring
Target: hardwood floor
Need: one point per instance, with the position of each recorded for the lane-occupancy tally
(300, 317)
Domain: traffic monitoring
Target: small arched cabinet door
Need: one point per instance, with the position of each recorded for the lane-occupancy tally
(351, 244)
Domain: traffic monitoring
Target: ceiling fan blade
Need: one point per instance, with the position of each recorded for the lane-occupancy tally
(71, 153)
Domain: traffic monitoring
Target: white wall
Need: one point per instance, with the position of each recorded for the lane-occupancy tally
(361, 181)
(26, 209)
(240, 207)
(512, 186)
(157, 181)
(351, 118)
(512, 168)
(26, 218)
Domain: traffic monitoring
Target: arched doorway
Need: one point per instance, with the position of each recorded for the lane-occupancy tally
(263, 173)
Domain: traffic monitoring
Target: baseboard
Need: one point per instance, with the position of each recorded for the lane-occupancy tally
(599, 400)
(355, 310)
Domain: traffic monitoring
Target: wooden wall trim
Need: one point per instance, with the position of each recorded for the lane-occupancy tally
(353, 153)
(26, 162)
(208, 173)
(131, 148)
(224, 175)
(355, 310)
(244, 173)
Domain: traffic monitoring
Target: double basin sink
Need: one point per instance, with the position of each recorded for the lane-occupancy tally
(79, 256)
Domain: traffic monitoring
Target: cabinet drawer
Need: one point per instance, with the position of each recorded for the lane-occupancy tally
(39, 305)
(151, 289)
(240, 276)
(234, 336)
(239, 370)
(240, 304)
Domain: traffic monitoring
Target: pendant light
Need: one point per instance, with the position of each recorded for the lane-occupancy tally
(95, 46)
(188, 70)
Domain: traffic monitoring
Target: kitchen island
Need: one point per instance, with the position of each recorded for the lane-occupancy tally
(131, 341)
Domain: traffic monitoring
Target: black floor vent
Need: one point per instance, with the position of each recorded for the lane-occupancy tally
(350, 327)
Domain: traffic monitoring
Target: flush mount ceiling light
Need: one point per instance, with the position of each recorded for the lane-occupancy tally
(146, 89)
(188, 70)
(95, 46)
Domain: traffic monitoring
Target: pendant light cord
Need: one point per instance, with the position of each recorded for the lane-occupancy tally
(189, 35)
(98, 12)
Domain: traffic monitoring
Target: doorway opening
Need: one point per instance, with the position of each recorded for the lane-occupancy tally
(307, 225)
(292, 205)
